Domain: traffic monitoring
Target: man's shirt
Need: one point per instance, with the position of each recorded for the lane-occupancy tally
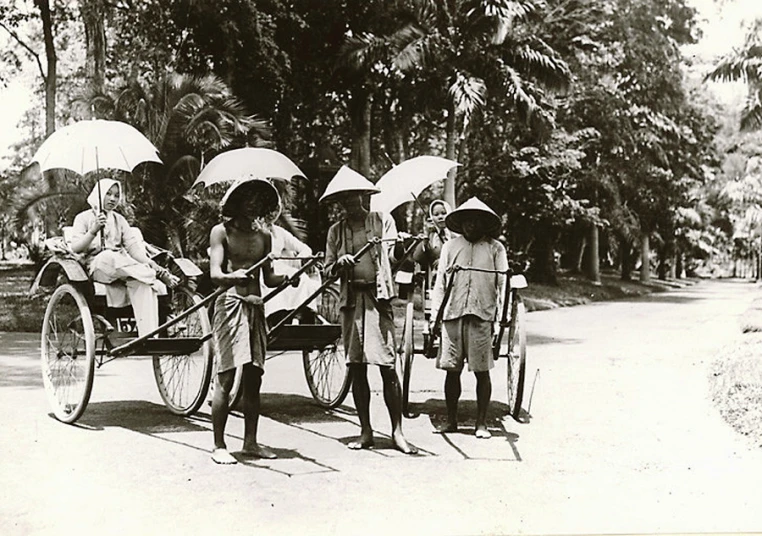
(473, 293)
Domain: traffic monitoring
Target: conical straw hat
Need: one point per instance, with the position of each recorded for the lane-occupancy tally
(348, 180)
(473, 208)
(271, 205)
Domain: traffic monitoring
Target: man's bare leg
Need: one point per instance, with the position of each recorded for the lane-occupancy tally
(220, 409)
(393, 399)
(361, 395)
(251, 383)
(483, 395)
(452, 389)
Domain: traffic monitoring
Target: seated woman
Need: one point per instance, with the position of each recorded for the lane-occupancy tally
(114, 251)
(285, 244)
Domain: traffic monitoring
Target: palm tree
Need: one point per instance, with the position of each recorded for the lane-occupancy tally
(455, 50)
(745, 64)
(468, 47)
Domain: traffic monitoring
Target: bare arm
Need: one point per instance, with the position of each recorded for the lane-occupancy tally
(217, 240)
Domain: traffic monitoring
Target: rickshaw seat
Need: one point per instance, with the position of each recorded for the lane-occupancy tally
(116, 292)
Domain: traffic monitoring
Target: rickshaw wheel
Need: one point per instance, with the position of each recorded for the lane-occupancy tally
(327, 374)
(183, 379)
(408, 351)
(326, 370)
(68, 353)
(517, 355)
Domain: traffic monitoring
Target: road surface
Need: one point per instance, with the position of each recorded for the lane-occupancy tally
(622, 438)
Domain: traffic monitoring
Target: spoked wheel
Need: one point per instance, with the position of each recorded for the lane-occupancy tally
(68, 353)
(517, 355)
(326, 370)
(407, 358)
(183, 379)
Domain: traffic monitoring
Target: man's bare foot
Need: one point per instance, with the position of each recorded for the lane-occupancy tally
(482, 432)
(258, 451)
(402, 445)
(362, 442)
(448, 428)
(223, 457)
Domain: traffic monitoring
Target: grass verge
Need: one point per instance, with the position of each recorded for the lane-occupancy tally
(19, 311)
(735, 386)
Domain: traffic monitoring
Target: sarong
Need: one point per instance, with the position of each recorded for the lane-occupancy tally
(466, 338)
(368, 330)
(240, 332)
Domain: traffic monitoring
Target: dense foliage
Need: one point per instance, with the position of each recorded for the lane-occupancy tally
(573, 119)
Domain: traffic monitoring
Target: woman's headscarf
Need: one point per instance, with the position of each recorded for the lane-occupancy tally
(443, 231)
(103, 186)
(436, 202)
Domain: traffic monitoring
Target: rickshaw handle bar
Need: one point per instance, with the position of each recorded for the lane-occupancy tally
(296, 275)
(328, 282)
(416, 240)
(124, 348)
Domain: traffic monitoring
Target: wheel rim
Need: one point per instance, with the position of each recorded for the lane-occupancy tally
(183, 380)
(68, 352)
(327, 374)
(329, 305)
(517, 358)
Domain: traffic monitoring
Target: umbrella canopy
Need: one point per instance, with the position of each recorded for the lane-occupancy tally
(407, 180)
(95, 144)
(248, 163)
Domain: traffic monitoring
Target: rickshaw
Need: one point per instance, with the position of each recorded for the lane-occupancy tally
(81, 333)
(512, 319)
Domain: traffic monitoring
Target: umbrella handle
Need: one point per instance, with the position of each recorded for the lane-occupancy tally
(100, 206)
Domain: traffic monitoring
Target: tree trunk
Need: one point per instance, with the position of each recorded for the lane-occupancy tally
(645, 259)
(51, 79)
(579, 265)
(93, 13)
(626, 258)
(361, 107)
(543, 267)
(593, 271)
(450, 149)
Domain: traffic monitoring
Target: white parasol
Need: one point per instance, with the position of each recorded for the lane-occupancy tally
(406, 181)
(248, 162)
(95, 144)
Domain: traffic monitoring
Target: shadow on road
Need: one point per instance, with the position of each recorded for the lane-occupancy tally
(297, 409)
(665, 297)
(136, 415)
(537, 339)
(300, 411)
(436, 411)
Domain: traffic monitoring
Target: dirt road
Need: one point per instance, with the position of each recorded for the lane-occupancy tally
(622, 439)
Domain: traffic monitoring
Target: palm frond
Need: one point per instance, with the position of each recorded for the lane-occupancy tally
(468, 94)
(751, 116)
(540, 62)
(362, 52)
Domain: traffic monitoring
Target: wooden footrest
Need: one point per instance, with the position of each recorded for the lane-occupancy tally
(303, 337)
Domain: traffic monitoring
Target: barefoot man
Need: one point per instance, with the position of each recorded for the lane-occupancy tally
(366, 292)
(472, 308)
(240, 333)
